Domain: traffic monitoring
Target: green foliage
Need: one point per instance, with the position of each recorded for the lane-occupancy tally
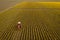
(37, 24)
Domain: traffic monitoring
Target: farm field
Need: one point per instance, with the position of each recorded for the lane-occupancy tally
(39, 22)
